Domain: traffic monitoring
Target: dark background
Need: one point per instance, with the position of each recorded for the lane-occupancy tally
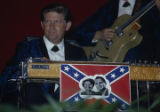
(20, 18)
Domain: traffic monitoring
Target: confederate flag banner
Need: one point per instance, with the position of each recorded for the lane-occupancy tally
(111, 83)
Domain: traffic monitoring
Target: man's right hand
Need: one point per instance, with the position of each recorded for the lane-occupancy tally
(106, 34)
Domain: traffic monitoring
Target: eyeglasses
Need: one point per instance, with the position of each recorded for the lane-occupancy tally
(56, 22)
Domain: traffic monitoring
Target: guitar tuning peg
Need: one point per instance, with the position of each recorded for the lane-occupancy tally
(131, 63)
(155, 62)
(145, 61)
(135, 62)
(139, 62)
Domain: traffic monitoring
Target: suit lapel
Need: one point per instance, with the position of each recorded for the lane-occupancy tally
(43, 48)
(136, 7)
(67, 51)
(115, 8)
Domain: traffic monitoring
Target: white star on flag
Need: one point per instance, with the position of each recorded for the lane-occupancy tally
(123, 106)
(122, 70)
(76, 74)
(66, 68)
(76, 99)
(114, 99)
(113, 75)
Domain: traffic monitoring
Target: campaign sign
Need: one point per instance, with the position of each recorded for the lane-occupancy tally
(111, 83)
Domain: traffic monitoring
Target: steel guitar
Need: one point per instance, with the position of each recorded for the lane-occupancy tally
(143, 77)
(50, 70)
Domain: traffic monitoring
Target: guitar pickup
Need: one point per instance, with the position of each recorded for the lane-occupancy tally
(107, 44)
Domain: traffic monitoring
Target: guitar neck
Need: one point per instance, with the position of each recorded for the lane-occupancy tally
(143, 11)
(136, 17)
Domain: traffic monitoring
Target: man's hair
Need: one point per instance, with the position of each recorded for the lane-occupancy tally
(59, 8)
(98, 77)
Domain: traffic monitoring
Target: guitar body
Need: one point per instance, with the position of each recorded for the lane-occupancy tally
(119, 47)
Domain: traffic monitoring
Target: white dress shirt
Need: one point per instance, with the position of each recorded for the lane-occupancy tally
(55, 56)
(126, 10)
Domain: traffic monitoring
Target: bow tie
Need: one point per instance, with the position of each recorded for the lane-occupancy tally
(55, 48)
(126, 4)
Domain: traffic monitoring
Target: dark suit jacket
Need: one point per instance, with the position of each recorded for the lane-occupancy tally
(105, 16)
(34, 91)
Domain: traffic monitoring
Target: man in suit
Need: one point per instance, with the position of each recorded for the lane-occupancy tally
(55, 22)
(98, 26)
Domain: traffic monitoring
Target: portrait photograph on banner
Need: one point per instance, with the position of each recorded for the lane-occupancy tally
(110, 83)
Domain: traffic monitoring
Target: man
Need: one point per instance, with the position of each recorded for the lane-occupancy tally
(98, 27)
(100, 84)
(55, 21)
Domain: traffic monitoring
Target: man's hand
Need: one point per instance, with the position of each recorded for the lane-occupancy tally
(106, 34)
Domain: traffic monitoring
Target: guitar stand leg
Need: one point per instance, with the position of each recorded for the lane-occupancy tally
(137, 90)
(19, 101)
(148, 94)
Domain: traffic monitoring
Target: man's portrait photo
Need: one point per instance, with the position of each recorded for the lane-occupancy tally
(100, 85)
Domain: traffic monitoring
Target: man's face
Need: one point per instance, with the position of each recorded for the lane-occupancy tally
(54, 26)
(99, 84)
